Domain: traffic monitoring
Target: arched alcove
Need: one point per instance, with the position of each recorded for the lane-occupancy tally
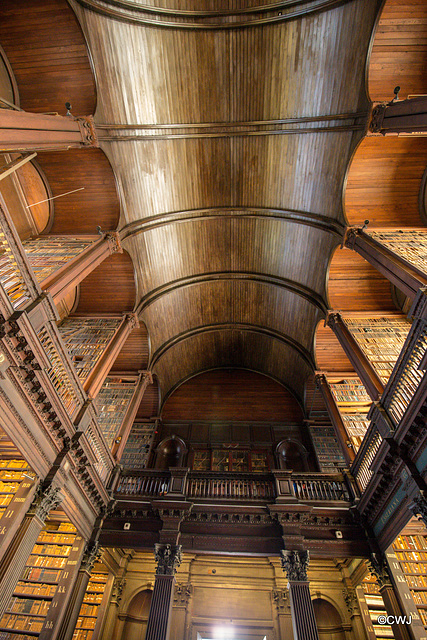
(329, 623)
(136, 616)
(292, 455)
(170, 453)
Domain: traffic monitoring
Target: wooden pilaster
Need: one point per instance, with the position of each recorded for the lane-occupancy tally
(22, 131)
(363, 367)
(295, 565)
(380, 569)
(335, 416)
(70, 275)
(403, 116)
(407, 278)
(168, 559)
(145, 378)
(95, 379)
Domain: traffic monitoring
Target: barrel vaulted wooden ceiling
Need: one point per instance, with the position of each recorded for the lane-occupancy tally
(230, 127)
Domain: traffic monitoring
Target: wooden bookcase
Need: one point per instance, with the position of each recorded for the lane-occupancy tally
(86, 340)
(47, 254)
(12, 474)
(353, 403)
(381, 339)
(409, 244)
(29, 606)
(89, 615)
(138, 446)
(411, 553)
(112, 403)
(326, 447)
(376, 607)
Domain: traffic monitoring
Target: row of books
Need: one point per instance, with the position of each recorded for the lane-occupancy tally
(14, 464)
(410, 542)
(416, 556)
(21, 623)
(26, 605)
(28, 589)
(52, 549)
(46, 561)
(411, 245)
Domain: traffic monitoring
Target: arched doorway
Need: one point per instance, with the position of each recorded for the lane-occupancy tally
(136, 616)
(170, 453)
(292, 455)
(329, 623)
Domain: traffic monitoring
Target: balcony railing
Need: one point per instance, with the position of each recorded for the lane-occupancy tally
(196, 485)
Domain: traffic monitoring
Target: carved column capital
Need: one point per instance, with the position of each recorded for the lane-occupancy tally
(377, 566)
(147, 377)
(320, 378)
(90, 556)
(295, 565)
(45, 501)
(350, 600)
(280, 599)
(182, 593)
(377, 117)
(117, 591)
(332, 319)
(350, 237)
(88, 131)
(132, 320)
(168, 559)
(114, 244)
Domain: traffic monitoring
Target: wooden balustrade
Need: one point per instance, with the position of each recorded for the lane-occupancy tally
(307, 487)
(151, 483)
(361, 467)
(230, 486)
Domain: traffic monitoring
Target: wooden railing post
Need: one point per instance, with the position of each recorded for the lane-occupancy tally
(22, 131)
(363, 367)
(407, 278)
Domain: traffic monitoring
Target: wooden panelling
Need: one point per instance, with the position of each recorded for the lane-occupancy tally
(134, 354)
(46, 48)
(355, 285)
(95, 204)
(399, 53)
(150, 405)
(384, 182)
(329, 354)
(232, 395)
(110, 288)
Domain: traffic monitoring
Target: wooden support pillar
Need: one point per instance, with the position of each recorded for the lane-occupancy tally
(378, 567)
(145, 378)
(22, 131)
(363, 367)
(335, 416)
(95, 379)
(59, 283)
(72, 611)
(168, 559)
(407, 278)
(403, 116)
(295, 565)
(13, 562)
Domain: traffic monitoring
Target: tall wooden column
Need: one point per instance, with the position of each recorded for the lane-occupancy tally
(403, 116)
(379, 569)
(363, 367)
(295, 565)
(335, 416)
(95, 379)
(145, 378)
(13, 562)
(168, 559)
(71, 274)
(407, 278)
(22, 131)
(79, 589)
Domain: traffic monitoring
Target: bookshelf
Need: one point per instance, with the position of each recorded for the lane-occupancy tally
(410, 245)
(381, 339)
(91, 606)
(411, 554)
(376, 607)
(86, 339)
(138, 446)
(353, 403)
(27, 610)
(327, 448)
(112, 403)
(47, 254)
(12, 474)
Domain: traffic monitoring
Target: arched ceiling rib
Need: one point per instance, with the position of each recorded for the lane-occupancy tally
(230, 175)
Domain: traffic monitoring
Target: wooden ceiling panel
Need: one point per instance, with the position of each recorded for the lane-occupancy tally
(47, 51)
(150, 404)
(232, 395)
(355, 285)
(134, 354)
(384, 181)
(399, 52)
(96, 202)
(110, 288)
(229, 302)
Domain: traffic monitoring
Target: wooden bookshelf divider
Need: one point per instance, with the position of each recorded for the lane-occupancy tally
(353, 403)
(381, 339)
(28, 608)
(112, 403)
(89, 615)
(86, 339)
(138, 446)
(47, 254)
